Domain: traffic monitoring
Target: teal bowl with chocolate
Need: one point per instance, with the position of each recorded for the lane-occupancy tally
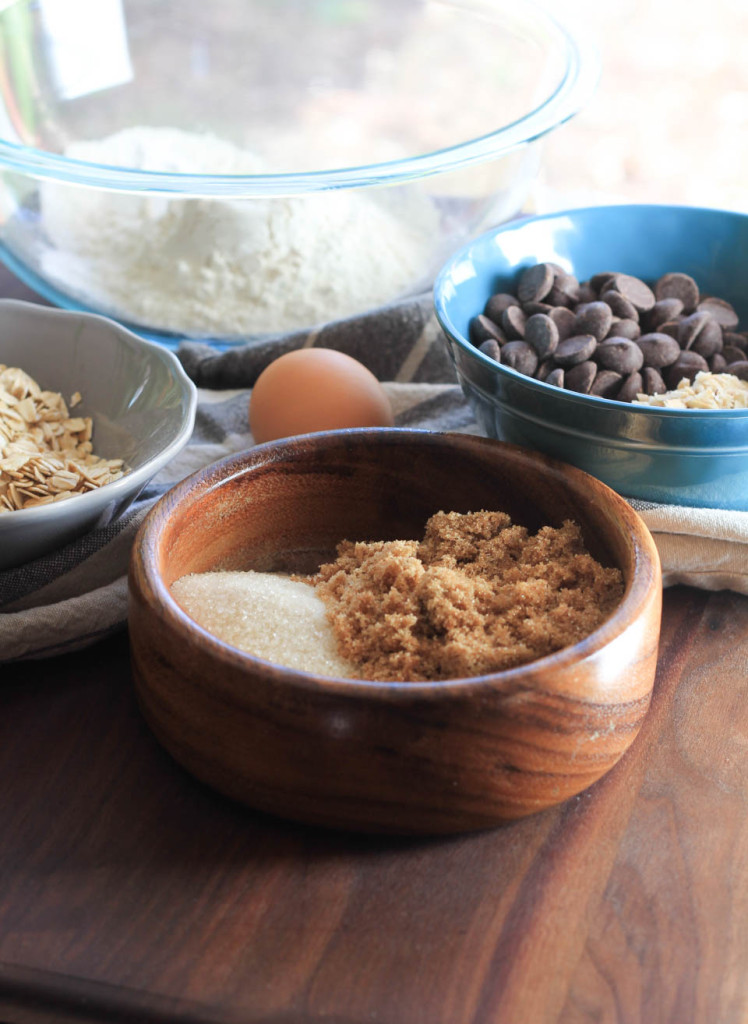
(696, 457)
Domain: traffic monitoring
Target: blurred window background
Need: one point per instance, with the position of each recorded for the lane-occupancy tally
(669, 121)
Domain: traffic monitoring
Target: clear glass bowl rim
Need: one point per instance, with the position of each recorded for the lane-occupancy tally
(576, 86)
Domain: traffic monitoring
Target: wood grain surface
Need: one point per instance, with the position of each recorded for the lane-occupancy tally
(129, 892)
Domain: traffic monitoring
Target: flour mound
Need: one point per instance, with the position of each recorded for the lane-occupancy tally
(228, 267)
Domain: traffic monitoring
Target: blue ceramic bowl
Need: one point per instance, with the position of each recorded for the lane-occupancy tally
(688, 457)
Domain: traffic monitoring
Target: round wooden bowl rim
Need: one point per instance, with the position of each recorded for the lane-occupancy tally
(644, 579)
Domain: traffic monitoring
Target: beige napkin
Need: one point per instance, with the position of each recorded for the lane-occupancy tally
(704, 547)
(74, 596)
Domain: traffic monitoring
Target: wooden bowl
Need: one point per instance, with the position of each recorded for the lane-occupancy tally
(399, 757)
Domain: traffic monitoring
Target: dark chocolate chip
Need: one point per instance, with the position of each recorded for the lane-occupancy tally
(606, 384)
(653, 382)
(620, 305)
(719, 310)
(639, 294)
(659, 349)
(593, 318)
(546, 367)
(531, 308)
(559, 298)
(586, 293)
(687, 365)
(738, 369)
(620, 354)
(482, 328)
(632, 386)
(565, 290)
(563, 318)
(736, 339)
(601, 281)
(700, 333)
(671, 327)
(575, 350)
(535, 283)
(520, 356)
(678, 286)
(579, 378)
(498, 303)
(513, 322)
(556, 378)
(542, 333)
(731, 354)
(662, 311)
(689, 327)
(717, 362)
(708, 342)
(625, 329)
(492, 349)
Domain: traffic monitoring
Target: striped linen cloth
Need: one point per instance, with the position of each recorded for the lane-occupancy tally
(75, 596)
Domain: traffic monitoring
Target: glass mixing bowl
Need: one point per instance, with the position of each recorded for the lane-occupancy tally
(238, 168)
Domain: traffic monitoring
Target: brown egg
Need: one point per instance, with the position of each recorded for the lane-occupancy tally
(315, 389)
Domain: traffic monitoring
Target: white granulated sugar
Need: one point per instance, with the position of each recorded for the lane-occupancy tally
(269, 615)
(228, 267)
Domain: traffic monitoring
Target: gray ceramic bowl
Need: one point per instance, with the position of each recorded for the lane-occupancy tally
(141, 401)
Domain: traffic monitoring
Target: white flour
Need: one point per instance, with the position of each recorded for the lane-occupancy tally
(204, 266)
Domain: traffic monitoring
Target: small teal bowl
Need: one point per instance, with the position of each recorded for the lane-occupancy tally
(695, 457)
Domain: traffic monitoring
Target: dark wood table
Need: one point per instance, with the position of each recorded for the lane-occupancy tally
(130, 892)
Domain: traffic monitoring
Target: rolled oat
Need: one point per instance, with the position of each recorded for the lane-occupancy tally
(46, 455)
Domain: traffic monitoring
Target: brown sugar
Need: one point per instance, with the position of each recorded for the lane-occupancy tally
(476, 595)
